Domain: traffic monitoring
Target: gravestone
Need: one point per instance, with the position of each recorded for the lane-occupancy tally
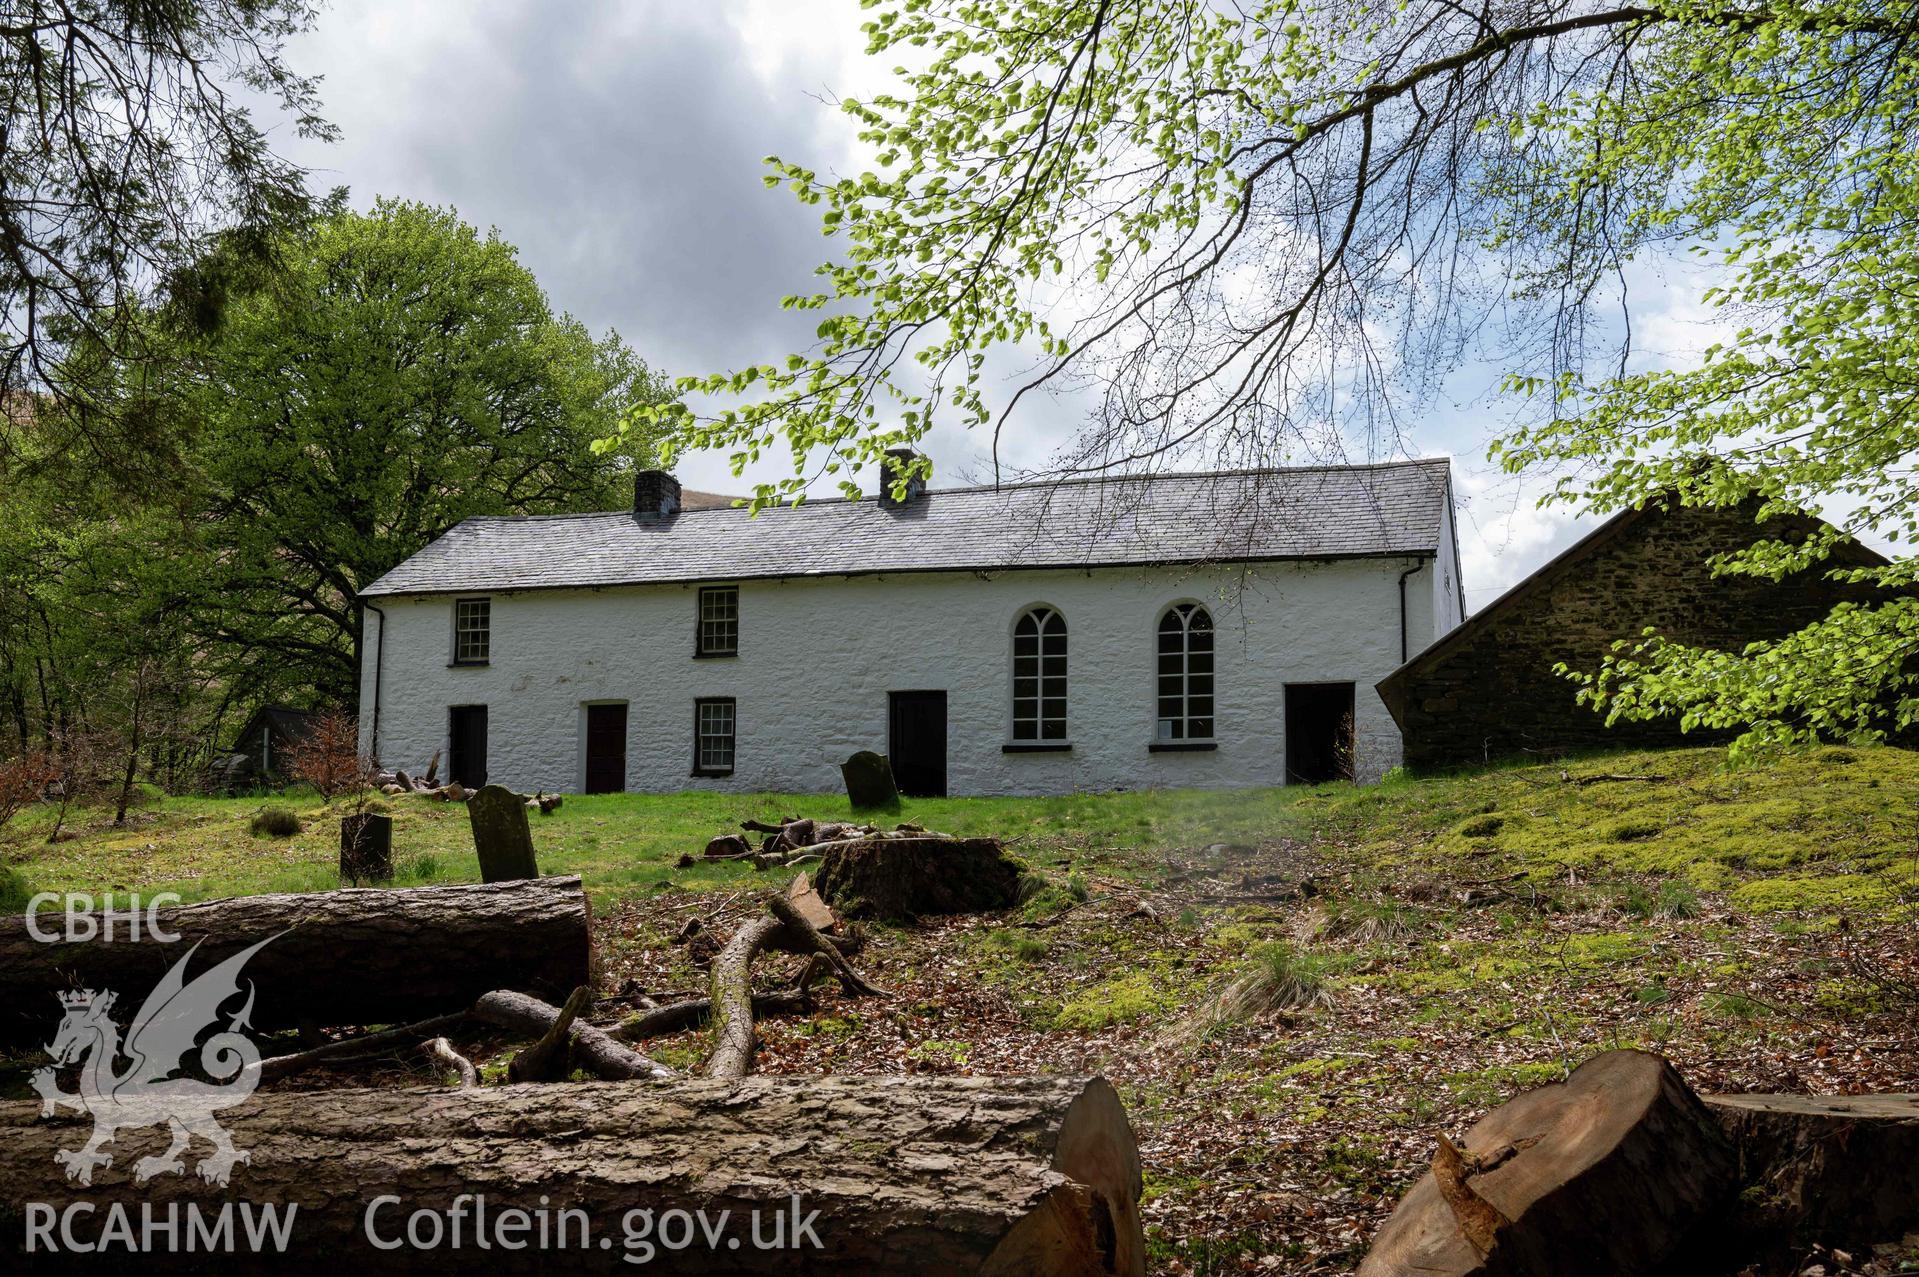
(869, 781)
(500, 835)
(366, 848)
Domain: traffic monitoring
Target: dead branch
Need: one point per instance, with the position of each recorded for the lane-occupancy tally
(367, 1044)
(547, 1059)
(441, 1052)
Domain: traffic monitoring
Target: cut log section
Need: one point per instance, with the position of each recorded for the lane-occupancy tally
(1830, 1168)
(902, 878)
(909, 1175)
(1613, 1171)
(357, 956)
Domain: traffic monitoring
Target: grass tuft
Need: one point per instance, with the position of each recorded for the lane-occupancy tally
(274, 822)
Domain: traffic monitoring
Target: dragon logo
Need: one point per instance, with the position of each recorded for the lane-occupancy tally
(149, 1091)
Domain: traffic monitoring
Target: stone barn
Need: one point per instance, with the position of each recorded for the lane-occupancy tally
(1487, 690)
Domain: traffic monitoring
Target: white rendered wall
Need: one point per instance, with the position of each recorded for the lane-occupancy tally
(817, 658)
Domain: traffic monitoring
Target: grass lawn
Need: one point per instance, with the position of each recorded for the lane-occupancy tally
(1294, 989)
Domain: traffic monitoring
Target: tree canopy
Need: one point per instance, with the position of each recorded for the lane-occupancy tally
(397, 372)
(125, 145)
(400, 373)
(1260, 232)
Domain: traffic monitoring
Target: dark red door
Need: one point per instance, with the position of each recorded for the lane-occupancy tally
(605, 749)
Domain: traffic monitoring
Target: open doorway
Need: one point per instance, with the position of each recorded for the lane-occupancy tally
(916, 742)
(1319, 732)
(605, 749)
(466, 738)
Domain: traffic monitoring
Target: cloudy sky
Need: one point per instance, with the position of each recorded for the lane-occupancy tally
(618, 144)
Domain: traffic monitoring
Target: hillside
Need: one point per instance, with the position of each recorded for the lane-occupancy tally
(1294, 989)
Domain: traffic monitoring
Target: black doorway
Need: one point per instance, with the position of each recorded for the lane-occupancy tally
(605, 749)
(466, 732)
(1319, 732)
(916, 742)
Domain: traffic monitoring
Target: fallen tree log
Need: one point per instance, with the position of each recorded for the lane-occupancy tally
(732, 999)
(916, 876)
(551, 1058)
(354, 956)
(1837, 1169)
(904, 1174)
(1617, 1170)
(693, 1013)
(593, 1048)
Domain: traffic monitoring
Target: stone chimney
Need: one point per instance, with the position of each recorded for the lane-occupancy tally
(656, 496)
(897, 459)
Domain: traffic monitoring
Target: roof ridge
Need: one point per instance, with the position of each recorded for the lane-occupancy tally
(1024, 486)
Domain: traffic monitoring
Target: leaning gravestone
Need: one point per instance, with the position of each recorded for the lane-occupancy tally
(869, 781)
(501, 836)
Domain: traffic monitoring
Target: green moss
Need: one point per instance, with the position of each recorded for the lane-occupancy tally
(1482, 827)
(1131, 997)
(1496, 1084)
(1239, 937)
(1317, 1067)
(1845, 892)
(954, 1053)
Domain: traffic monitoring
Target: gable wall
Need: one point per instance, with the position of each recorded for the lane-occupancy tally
(819, 656)
(1496, 695)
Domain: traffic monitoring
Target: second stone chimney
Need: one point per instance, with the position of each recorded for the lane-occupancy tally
(656, 496)
(897, 459)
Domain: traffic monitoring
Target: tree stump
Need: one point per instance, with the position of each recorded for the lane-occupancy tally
(501, 835)
(1620, 1169)
(869, 782)
(366, 848)
(927, 1176)
(899, 879)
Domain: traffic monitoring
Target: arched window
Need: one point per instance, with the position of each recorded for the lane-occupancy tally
(1039, 676)
(1185, 673)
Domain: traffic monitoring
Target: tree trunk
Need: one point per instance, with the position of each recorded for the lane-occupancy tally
(913, 1175)
(1617, 1170)
(362, 956)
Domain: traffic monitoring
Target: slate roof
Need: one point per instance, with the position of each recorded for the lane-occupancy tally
(289, 724)
(1319, 512)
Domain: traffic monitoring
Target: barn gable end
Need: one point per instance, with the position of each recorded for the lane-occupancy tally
(1487, 689)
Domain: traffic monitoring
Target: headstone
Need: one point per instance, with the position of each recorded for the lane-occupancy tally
(869, 781)
(501, 836)
(366, 848)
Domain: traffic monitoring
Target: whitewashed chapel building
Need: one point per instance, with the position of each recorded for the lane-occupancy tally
(1214, 630)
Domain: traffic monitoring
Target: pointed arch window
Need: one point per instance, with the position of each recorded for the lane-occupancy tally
(1185, 674)
(1039, 675)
